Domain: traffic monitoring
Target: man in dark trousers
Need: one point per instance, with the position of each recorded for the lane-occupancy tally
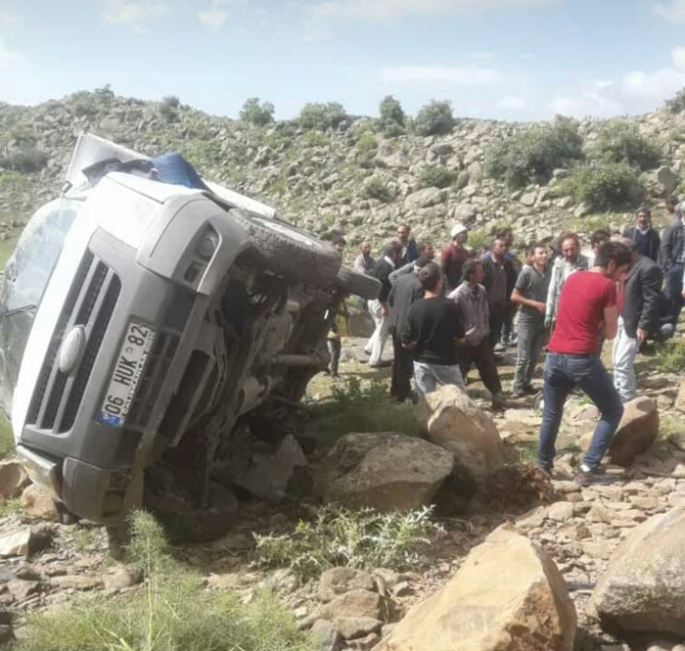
(431, 333)
(472, 305)
(646, 239)
(498, 271)
(673, 263)
(586, 315)
(638, 303)
(404, 293)
(379, 308)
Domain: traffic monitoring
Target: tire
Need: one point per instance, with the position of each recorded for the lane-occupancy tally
(290, 251)
(366, 287)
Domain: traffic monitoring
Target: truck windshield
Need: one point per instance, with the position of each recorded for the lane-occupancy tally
(26, 276)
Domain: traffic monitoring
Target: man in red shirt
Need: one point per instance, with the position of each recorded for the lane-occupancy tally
(586, 314)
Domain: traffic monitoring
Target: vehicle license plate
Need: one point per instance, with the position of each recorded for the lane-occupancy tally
(126, 375)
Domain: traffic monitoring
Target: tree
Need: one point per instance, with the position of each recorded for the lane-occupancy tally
(257, 113)
(391, 112)
(434, 119)
(322, 116)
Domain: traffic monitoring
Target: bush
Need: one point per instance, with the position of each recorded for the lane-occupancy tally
(671, 357)
(322, 116)
(366, 144)
(172, 612)
(434, 119)
(606, 186)
(677, 104)
(84, 103)
(25, 160)
(394, 131)
(340, 537)
(257, 113)
(391, 112)
(375, 188)
(437, 176)
(168, 108)
(622, 142)
(531, 156)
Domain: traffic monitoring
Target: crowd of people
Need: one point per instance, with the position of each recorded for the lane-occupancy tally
(444, 316)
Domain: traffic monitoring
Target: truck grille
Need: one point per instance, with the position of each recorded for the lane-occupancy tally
(90, 303)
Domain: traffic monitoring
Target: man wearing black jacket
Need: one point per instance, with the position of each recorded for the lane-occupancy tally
(404, 293)
(638, 303)
(498, 272)
(379, 308)
(673, 263)
(647, 240)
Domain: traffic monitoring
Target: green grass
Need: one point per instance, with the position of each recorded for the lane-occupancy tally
(6, 438)
(171, 613)
(9, 507)
(671, 357)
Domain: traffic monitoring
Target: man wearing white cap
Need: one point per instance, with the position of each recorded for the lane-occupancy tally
(455, 255)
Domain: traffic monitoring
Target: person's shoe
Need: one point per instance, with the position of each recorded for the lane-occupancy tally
(530, 390)
(548, 470)
(498, 401)
(587, 476)
(335, 376)
(519, 393)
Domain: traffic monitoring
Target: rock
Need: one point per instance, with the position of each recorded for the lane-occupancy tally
(351, 628)
(508, 595)
(528, 199)
(475, 171)
(425, 198)
(582, 211)
(326, 635)
(668, 179)
(360, 323)
(120, 578)
(356, 603)
(366, 643)
(13, 479)
(340, 580)
(25, 541)
(449, 418)
(268, 475)
(680, 399)
(21, 589)
(560, 511)
(74, 582)
(38, 503)
(643, 590)
(386, 471)
(442, 149)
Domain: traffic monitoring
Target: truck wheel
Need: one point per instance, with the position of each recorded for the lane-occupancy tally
(352, 282)
(290, 251)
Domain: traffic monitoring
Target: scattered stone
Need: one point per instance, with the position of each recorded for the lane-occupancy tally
(560, 511)
(25, 541)
(326, 635)
(356, 603)
(21, 589)
(366, 643)
(38, 503)
(74, 582)
(340, 580)
(668, 179)
(120, 578)
(642, 590)
(449, 418)
(13, 479)
(386, 471)
(351, 628)
(507, 595)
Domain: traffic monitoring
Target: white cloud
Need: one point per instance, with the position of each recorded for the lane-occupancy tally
(10, 20)
(673, 12)
(134, 13)
(513, 103)
(214, 17)
(454, 75)
(8, 57)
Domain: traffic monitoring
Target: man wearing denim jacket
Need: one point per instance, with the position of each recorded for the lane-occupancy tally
(587, 313)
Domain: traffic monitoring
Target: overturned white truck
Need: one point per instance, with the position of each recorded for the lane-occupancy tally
(145, 314)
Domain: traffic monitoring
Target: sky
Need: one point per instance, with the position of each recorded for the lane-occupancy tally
(503, 59)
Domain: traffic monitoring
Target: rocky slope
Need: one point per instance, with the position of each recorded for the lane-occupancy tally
(315, 178)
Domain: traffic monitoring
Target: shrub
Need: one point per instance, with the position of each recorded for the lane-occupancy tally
(168, 108)
(437, 176)
(316, 139)
(435, 118)
(366, 144)
(671, 357)
(340, 537)
(84, 103)
(25, 160)
(622, 142)
(375, 188)
(394, 131)
(532, 155)
(257, 113)
(606, 186)
(391, 112)
(677, 104)
(173, 611)
(322, 116)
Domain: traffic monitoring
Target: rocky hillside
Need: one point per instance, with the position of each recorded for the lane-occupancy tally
(351, 179)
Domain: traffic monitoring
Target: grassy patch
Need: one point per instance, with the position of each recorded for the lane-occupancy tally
(671, 357)
(339, 537)
(9, 507)
(6, 438)
(171, 613)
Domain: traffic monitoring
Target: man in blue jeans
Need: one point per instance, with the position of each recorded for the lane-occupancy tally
(586, 314)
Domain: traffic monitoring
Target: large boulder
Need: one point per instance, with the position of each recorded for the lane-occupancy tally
(38, 503)
(386, 471)
(643, 588)
(450, 419)
(636, 433)
(13, 479)
(425, 198)
(508, 596)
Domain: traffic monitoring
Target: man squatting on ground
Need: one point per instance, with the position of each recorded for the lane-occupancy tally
(379, 308)
(638, 307)
(432, 332)
(530, 292)
(406, 290)
(472, 307)
(586, 314)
